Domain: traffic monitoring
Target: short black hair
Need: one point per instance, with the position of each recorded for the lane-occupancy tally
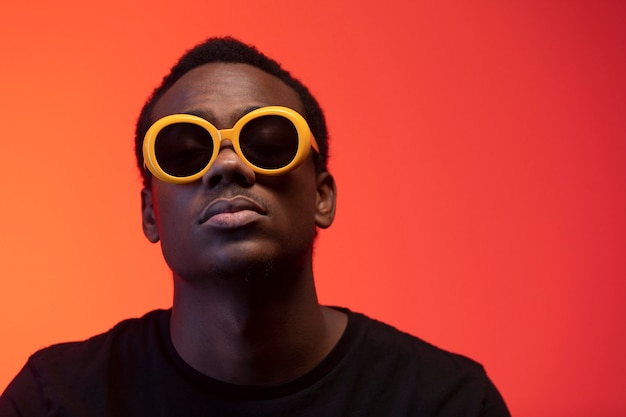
(230, 50)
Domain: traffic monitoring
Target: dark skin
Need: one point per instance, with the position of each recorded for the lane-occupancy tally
(245, 309)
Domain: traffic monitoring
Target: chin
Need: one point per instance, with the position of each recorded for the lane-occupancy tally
(261, 269)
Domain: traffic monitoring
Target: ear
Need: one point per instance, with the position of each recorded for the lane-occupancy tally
(326, 200)
(148, 218)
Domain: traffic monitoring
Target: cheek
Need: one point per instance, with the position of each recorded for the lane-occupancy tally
(170, 212)
(174, 223)
(297, 203)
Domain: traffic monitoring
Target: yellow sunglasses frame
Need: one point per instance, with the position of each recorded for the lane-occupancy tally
(306, 141)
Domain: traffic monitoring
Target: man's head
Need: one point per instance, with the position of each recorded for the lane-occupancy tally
(233, 221)
(229, 50)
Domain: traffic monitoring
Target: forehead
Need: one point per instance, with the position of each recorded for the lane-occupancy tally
(223, 92)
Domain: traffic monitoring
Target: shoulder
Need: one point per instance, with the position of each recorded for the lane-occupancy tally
(420, 374)
(87, 356)
(122, 332)
(384, 339)
(67, 372)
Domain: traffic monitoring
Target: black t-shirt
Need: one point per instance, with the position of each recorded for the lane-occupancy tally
(134, 370)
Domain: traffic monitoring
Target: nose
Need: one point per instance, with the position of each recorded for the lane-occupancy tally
(228, 168)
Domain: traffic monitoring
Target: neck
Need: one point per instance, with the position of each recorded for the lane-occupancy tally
(260, 331)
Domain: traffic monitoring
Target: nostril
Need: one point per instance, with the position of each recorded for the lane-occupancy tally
(237, 177)
(228, 167)
(214, 180)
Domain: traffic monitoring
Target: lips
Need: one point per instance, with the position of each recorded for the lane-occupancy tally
(230, 205)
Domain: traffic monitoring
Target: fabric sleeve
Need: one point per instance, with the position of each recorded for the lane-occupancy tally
(24, 397)
(494, 405)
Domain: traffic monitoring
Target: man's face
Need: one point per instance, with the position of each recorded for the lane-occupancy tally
(234, 221)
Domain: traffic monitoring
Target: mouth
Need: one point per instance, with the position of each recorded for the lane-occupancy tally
(230, 208)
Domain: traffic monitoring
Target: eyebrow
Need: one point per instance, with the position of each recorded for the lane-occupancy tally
(210, 116)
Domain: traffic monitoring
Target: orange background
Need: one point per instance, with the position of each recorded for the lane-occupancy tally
(479, 152)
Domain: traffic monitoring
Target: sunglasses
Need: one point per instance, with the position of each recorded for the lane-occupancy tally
(271, 140)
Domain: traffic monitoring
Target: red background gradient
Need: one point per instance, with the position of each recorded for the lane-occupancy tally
(479, 152)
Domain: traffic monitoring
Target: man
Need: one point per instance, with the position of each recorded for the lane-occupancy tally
(233, 154)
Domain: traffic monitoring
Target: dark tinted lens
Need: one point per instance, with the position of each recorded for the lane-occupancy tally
(269, 142)
(183, 149)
